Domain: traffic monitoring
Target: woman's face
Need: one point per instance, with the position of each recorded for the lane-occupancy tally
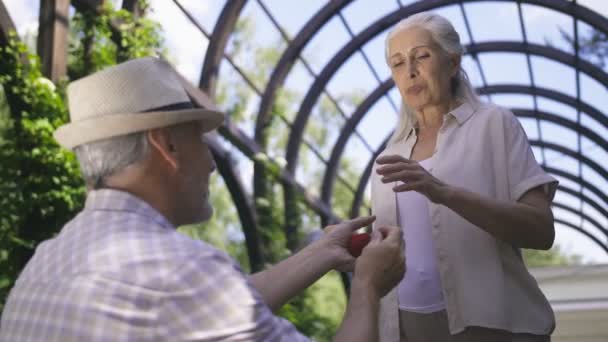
(420, 69)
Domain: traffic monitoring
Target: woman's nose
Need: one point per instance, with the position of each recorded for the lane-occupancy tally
(411, 72)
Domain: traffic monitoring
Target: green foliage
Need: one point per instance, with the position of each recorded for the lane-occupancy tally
(94, 44)
(553, 257)
(40, 183)
(593, 45)
(40, 186)
(318, 311)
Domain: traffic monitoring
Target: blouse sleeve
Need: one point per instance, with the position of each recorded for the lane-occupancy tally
(524, 172)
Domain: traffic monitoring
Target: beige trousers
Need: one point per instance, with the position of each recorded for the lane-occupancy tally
(433, 327)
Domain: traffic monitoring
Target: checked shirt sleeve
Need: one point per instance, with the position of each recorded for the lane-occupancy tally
(209, 298)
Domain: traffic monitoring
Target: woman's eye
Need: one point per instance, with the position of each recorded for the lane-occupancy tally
(397, 64)
(423, 56)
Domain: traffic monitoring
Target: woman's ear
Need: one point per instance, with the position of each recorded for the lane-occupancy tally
(454, 65)
(161, 143)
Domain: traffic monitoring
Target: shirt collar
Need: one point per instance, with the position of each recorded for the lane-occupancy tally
(461, 114)
(116, 200)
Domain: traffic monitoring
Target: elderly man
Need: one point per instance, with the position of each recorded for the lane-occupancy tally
(119, 271)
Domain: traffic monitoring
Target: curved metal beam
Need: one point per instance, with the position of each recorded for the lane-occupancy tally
(330, 172)
(583, 215)
(584, 232)
(364, 179)
(577, 179)
(243, 205)
(52, 45)
(6, 24)
(295, 136)
(279, 74)
(217, 44)
(544, 51)
(390, 19)
(574, 154)
(358, 198)
(567, 7)
(593, 112)
(561, 121)
(349, 127)
(588, 200)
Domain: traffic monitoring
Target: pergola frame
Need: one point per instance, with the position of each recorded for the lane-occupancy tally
(52, 48)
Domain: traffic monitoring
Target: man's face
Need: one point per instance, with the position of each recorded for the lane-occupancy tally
(196, 165)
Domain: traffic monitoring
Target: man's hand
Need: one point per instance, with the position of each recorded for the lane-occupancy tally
(379, 268)
(382, 263)
(336, 239)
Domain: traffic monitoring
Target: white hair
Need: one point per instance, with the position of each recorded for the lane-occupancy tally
(103, 158)
(447, 38)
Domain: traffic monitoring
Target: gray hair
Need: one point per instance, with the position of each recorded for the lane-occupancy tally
(447, 38)
(103, 158)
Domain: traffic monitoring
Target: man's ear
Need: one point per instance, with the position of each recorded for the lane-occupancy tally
(160, 140)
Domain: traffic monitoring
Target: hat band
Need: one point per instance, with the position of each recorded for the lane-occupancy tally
(170, 107)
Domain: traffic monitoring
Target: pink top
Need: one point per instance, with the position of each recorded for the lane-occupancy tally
(420, 289)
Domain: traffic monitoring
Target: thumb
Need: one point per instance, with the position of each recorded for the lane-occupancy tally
(376, 236)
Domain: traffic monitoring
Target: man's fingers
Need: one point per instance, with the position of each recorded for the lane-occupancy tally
(376, 235)
(329, 228)
(359, 222)
(391, 233)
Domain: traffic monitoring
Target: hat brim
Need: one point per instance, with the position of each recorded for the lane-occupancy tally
(103, 127)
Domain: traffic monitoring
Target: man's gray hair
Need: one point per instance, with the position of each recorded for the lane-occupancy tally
(103, 158)
(447, 38)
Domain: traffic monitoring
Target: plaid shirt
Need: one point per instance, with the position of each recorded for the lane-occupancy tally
(119, 271)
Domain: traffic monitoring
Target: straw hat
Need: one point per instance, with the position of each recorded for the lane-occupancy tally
(134, 96)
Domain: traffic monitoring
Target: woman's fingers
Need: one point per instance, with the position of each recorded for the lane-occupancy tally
(389, 168)
(404, 176)
(409, 186)
(393, 158)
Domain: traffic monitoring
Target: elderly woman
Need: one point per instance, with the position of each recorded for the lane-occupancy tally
(459, 177)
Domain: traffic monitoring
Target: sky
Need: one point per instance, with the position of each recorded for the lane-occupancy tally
(490, 21)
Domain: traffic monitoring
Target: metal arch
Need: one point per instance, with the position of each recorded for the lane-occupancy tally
(329, 180)
(561, 121)
(345, 133)
(52, 44)
(243, 205)
(289, 57)
(548, 93)
(364, 179)
(311, 97)
(574, 154)
(584, 232)
(544, 51)
(217, 44)
(366, 174)
(588, 200)
(577, 179)
(6, 24)
(233, 182)
(576, 212)
(584, 14)
(358, 198)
